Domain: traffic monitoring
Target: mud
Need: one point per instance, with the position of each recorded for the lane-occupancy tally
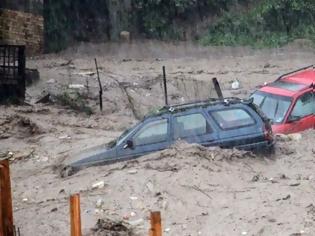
(199, 191)
(18, 126)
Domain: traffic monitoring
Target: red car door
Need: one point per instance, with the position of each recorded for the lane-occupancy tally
(302, 115)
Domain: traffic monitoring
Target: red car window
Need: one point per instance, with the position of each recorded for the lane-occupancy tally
(304, 106)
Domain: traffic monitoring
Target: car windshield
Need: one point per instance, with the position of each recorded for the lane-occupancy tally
(274, 107)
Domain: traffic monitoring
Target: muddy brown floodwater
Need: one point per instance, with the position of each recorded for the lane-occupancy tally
(199, 191)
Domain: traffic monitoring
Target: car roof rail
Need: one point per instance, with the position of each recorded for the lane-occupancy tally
(295, 71)
(211, 101)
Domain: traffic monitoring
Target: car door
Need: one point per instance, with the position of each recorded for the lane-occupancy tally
(193, 127)
(302, 115)
(152, 135)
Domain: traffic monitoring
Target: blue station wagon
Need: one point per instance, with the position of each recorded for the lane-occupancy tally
(227, 123)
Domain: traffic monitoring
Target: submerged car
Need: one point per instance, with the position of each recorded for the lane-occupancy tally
(226, 123)
(289, 101)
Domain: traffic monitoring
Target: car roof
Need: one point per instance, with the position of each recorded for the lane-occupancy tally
(291, 84)
(306, 77)
(277, 91)
(173, 109)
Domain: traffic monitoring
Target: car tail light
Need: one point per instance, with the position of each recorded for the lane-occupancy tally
(268, 132)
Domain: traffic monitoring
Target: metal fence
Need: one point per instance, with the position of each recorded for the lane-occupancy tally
(12, 72)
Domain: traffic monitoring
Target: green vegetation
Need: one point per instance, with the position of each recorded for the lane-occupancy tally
(99, 20)
(259, 23)
(158, 18)
(271, 23)
(75, 101)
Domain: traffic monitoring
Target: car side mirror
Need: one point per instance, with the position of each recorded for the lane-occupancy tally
(129, 144)
(293, 118)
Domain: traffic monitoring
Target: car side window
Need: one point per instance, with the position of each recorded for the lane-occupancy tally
(190, 125)
(304, 106)
(152, 132)
(233, 118)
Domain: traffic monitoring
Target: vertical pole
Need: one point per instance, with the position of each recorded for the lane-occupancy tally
(165, 86)
(4, 57)
(156, 227)
(6, 199)
(100, 85)
(217, 88)
(21, 71)
(75, 215)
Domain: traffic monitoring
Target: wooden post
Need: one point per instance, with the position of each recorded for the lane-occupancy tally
(156, 227)
(1, 216)
(75, 215)
(6, 218)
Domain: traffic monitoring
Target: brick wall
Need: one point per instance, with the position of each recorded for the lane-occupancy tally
(18, 27)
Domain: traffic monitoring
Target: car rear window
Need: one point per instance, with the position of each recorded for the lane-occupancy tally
(232, 118)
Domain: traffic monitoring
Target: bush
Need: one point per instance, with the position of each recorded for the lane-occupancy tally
(156, 18)
(272, 23)
(75, 101)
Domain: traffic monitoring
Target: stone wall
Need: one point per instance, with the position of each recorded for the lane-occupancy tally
(17, 27)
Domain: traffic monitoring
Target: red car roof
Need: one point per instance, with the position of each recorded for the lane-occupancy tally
(306, 77)
(277, 91)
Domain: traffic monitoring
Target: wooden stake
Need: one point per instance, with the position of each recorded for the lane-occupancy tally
(75, 215)
(1, 217)
(6, 218)
(156, 227)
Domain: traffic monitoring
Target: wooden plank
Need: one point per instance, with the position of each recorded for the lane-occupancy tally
(6, 198)
(156, 226)
(75, 215)
(1, 214)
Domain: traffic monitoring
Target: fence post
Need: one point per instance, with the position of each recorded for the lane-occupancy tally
(75, 215)
(156, 227)
(1, 215)
(6, 199)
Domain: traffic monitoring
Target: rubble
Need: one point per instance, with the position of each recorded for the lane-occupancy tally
(76, 86)
(99, 203)
(110, 227)
(97, 185)
(235, 84)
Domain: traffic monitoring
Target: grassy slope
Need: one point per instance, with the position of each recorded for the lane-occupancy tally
(270, 23)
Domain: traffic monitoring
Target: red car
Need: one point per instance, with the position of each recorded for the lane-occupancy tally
(289, 101)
